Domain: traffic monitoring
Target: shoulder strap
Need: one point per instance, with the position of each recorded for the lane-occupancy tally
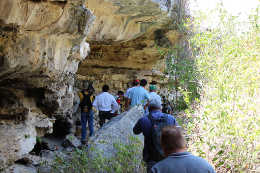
(83, 92)
(150, 117)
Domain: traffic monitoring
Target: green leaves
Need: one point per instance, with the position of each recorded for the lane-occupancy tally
(227, 121)
(127, 159)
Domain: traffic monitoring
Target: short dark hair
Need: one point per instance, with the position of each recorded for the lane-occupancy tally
(105, 88)
(120, 93)
(153, 83)
(172, 139)
(143, 82)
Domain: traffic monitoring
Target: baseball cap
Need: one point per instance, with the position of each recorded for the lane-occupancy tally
(152, 87)
(136, 82)
(155, 102)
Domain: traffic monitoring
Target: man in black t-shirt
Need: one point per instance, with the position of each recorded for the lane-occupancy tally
(86, 101)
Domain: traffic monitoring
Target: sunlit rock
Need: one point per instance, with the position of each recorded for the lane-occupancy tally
(41, 45)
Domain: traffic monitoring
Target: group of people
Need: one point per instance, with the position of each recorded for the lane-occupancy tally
(164, 144)
(109, 106)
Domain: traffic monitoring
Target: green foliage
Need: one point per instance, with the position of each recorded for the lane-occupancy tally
(127, 159)
(225, 128)
(179, 65)
(184, 79)
(38, 139)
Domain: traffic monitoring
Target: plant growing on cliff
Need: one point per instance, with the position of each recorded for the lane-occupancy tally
(180, 67)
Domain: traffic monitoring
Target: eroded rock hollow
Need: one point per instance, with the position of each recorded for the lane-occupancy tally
(41, 44)
(126, 40)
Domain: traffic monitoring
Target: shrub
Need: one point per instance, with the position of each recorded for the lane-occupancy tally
(127, 159)
(225, 127)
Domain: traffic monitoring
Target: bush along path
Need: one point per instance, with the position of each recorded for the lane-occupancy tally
(113, 149)
(223, 123)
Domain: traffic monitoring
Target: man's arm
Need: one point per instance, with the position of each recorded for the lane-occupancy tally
(115, 106)
(155, 170)
(128, 103)
(128, 98)
(147, 97)
(95, 103)
(80, 96)
(173, 120)
(137, 128)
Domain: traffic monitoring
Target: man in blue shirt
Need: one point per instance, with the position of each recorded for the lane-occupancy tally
(135, 84)
(139, 95)
(178, 159)
(144, 125)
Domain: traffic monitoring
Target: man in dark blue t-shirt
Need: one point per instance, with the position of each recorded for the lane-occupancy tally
(178, 159)
(144, 125)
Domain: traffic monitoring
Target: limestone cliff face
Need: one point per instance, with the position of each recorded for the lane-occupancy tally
(125, 40)
(41, 44)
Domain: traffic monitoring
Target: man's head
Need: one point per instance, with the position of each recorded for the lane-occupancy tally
(152, 88)
(155, 104)
(143, 82)
(153, 82)
(105, 88)
(91, 89)
(172, 140)
(120, 93)
(136, 82)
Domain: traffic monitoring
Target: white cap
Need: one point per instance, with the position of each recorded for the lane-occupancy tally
(155, 102)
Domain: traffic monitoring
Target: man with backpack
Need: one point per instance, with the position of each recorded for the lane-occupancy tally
(151, 126)
(86, 100)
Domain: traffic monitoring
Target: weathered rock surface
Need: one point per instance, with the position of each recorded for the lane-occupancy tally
(126, 39)
(71, 141)
(17, 168)
(117, 130)
(41, 44)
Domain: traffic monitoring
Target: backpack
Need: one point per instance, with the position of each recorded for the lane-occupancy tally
(86, 103)
(157, 125)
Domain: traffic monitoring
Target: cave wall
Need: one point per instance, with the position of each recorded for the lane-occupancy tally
(41, 44)
(126, 41)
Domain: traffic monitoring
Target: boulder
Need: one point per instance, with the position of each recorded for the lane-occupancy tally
(17, 168)
(71, 141)
(117, 130)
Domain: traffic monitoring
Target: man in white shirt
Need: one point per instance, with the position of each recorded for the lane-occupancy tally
(106, 104)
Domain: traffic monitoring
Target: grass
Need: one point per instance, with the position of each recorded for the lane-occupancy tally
(127, 159)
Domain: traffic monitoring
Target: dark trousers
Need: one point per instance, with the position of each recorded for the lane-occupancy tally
(87, 117)
(103, 115)
(149, 166)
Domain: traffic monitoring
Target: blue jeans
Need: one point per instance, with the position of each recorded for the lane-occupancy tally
(87, 117)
